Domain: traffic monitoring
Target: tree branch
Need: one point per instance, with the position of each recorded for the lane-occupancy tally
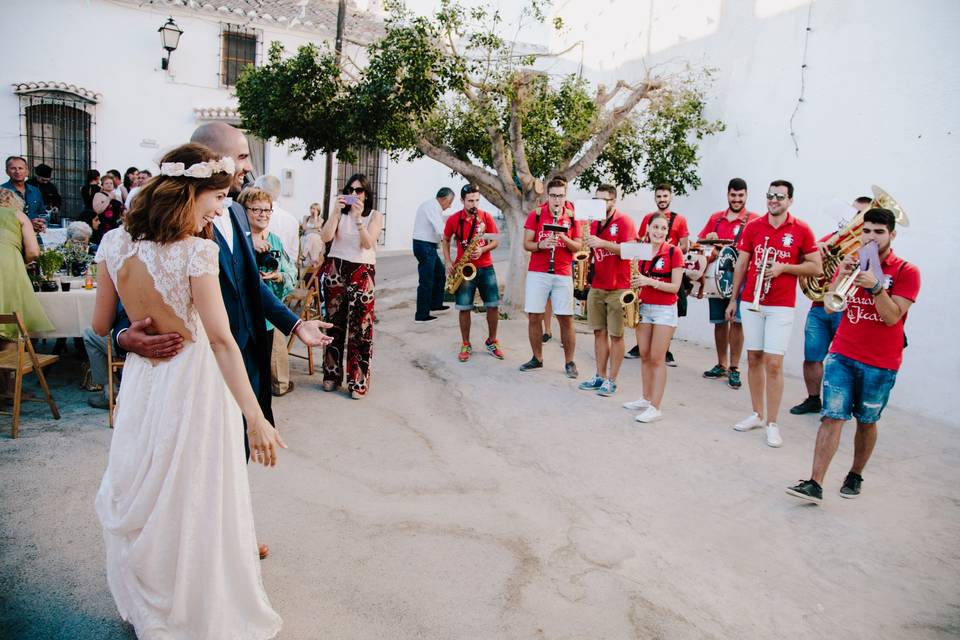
(485, 180)
(516, 138)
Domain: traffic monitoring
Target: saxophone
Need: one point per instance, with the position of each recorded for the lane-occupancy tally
(630, 300)
(581, 262)
(463, 269)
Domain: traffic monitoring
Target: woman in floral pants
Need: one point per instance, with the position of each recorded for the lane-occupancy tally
(348, 286)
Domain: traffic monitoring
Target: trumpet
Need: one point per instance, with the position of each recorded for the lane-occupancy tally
(581, 261)
(836, 300)
(767, 256)
(630, 300)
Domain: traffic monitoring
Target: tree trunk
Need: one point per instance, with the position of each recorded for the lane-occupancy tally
(516, 276)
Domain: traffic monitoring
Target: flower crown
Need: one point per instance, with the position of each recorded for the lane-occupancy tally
(199, 170)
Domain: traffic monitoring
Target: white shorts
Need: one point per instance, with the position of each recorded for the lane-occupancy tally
(543, 286)
(665, 314)
(768, 329)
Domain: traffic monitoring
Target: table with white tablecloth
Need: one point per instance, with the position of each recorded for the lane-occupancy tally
(70, 311)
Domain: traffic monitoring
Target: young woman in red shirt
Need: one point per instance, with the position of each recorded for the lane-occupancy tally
(659, 280)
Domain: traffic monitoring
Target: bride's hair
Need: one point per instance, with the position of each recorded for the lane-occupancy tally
(162, 211)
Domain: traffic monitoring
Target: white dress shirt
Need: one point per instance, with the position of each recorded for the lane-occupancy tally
(285, 225)
(224, 225)
(428, 223)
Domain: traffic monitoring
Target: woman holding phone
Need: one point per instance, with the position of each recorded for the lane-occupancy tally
(658, 280)
(348, 286)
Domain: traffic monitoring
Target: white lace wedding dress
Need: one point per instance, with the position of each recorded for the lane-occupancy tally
(174, 502)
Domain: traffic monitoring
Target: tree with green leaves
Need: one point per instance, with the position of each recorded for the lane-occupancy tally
(451, 88)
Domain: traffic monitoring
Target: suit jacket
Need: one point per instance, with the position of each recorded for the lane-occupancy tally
(248, 301)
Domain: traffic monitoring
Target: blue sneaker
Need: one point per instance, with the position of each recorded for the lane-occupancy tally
(608, 388)
(592, 384)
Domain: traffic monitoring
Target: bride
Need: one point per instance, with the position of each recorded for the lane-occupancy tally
(175, 501)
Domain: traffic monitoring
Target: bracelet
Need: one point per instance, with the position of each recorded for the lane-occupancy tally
(876, 289)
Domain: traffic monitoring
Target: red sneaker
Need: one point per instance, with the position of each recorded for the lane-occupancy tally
(465, 351)
(494, 348)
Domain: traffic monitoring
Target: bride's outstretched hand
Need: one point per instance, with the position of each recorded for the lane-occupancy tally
(264, 441)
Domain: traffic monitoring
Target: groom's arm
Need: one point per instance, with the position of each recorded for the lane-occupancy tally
(276, 312)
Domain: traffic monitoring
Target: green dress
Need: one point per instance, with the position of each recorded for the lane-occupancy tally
(16, 292)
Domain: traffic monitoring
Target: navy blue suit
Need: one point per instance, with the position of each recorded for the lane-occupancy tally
(249, 302)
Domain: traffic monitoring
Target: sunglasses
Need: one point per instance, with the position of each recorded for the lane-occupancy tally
(779, 197)
(356, 190)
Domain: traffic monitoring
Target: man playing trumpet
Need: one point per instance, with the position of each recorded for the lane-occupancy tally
(774, 250)
(865, 355)
(611, 278)
(466, 225)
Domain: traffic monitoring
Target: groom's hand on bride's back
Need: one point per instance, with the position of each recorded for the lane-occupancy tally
(138, 339)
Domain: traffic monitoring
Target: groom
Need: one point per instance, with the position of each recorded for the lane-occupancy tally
(248, 301)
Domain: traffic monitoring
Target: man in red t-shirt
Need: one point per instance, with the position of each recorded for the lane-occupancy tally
(550, 235)
(818, 332)
(611, 278)
(678, 234)
(787, 246)
(465, 225)
(865, 356)
(727, 336)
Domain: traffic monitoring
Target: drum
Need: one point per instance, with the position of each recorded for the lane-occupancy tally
(709, 266)
(726, 263)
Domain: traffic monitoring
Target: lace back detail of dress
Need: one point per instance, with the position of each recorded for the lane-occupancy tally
(170, 265)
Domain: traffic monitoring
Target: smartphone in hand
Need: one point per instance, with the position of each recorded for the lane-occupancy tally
(350, 199)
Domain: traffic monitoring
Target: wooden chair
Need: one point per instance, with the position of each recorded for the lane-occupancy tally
(24, 360)
(114, 365)
(305, 299)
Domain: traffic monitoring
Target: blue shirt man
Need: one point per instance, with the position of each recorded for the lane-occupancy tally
(32, 198)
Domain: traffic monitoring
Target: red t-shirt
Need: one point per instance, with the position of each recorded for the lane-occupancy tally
(862, 335)
(461, 225)
(726, 229)
(562, 257)
(660, 267)
(677, 232)
(793, 239)
(609, 270)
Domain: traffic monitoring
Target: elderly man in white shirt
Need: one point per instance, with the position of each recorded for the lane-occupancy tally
(282, 222)
(427, 232)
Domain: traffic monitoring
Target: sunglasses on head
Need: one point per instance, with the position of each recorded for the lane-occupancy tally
(780, 197)
(356, 190)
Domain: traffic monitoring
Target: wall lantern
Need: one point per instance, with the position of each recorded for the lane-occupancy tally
(169, 37)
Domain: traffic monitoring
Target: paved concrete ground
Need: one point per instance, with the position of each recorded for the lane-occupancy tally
(472, 501)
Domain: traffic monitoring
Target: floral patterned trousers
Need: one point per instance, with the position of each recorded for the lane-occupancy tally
(348, 292)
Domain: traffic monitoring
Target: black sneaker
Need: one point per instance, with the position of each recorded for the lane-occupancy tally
(532, 364)
(427, 319)
(810, 405)
(442, 307)
(807, 490)
(733, 378)
(851, 486)
(633, 353)
(670, 361)
(718, 371)
(546, 338)
(571, 370)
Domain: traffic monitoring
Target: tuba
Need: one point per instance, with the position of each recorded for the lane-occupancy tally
(463, 269)
(630, 300)
(846, 241)
(581, 262)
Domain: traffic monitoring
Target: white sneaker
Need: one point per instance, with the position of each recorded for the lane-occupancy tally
(637, 405)
(651, 414)
(773, 435)
(750, 422)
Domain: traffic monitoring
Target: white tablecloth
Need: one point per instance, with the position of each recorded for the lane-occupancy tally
(53, 237)
(70, 312)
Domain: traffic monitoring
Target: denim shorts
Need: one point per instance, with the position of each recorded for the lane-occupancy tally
(718, 310)
(818, 333)
(486, 281)
(852, 388)
(664, 314)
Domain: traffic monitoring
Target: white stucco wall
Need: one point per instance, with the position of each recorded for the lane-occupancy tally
(881, 107)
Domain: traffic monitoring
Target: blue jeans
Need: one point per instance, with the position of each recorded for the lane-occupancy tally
(852, 388)
(818, 333)
(486, 281)
(432, 278)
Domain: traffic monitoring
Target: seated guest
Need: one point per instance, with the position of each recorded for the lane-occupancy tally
(312, 246)
(41, 179)
(79, 234)
(277, 270)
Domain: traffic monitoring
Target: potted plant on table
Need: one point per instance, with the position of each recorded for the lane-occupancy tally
(50, 262)
(76, 258)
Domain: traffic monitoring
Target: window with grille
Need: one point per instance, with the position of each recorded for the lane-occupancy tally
(57, 129)
(373, 164)
(239, 48)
